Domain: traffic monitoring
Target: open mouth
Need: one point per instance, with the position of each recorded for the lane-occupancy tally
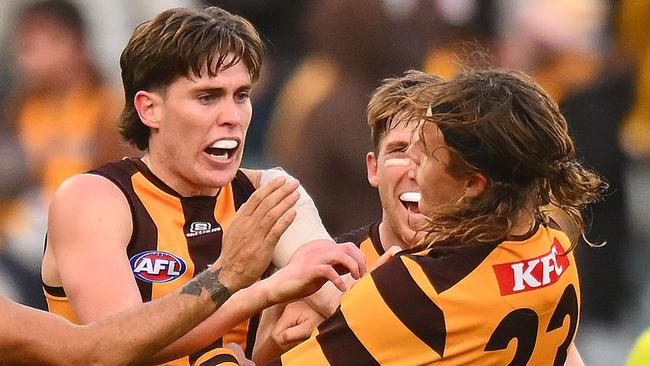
(223, 149)
(410, 201)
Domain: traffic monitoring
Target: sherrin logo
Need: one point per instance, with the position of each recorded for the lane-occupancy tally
(157, 266)
(200, 228)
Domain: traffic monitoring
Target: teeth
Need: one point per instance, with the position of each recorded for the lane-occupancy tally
(410, 197)
(225, 144)
(223, 156)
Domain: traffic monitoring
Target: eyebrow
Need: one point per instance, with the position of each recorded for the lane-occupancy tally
(220, 90)
(396, 143)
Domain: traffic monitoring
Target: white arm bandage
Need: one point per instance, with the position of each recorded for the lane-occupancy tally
(306, 227)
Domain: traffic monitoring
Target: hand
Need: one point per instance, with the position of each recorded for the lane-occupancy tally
(297, 322)
(390, 253)
(249, 241)
(239, 354)
(311, 266)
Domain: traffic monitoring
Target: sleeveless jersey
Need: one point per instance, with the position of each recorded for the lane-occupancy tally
(367, 239)
(456, 304)
(174, 238)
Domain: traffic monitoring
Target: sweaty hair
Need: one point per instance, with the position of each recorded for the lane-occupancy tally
(506, 128)
(392, 98)
(178, 43)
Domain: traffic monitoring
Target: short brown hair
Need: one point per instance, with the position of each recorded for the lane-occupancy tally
(178, 42)
(392, 97)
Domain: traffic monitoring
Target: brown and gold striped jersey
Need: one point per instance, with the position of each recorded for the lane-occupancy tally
(174, 238)
(457, 305)
(367, 239)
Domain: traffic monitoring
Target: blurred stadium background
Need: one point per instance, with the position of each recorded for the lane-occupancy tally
(60, 95)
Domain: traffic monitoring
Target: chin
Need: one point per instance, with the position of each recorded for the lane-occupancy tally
(220, 178)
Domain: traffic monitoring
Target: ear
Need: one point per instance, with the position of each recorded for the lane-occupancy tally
(371, 166)
(147, 104)
(475, 185)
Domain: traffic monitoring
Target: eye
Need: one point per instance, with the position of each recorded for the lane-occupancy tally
(206, 98)
(242, 96)
(398, 149)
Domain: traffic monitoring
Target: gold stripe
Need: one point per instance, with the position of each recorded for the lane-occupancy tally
(61, 306)
(370, 324)
(167, 213)
(214, 352)
(368, 249)
(224, 210)
(306, 353)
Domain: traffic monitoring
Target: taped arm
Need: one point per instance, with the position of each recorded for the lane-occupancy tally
(305, 228)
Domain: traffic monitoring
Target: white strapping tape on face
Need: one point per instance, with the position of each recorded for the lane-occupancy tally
(397, 162)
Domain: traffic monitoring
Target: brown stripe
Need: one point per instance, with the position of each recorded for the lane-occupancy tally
(144, 228)
(219, 359)
(195, 356)
(445, 265)
(376, 240)
(276, 362)
(253, 324)
(54, 291)
(356, 236)
(340, 345)
(410, 304)
(202, 231)
(242, 189)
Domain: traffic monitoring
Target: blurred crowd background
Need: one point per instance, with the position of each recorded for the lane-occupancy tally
(60, 95)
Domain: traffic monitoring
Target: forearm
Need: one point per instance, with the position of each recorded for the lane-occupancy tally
(143, 330)
(35, 337)
(242, 305)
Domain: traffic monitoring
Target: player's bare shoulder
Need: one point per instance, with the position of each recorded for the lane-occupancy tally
(88, 195)
(85, 211)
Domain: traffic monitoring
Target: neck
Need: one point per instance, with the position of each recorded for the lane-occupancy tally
(176, 182)
(388, 237)
(523, 223)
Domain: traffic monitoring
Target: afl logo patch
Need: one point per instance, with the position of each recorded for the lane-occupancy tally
(157, 266)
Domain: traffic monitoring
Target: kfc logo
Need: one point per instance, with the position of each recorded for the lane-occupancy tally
(532, 273)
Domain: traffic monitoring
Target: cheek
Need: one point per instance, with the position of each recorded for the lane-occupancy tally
(396, 162)
(246, 113)
(437, 188)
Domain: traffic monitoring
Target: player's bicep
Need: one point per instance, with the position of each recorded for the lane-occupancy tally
(88, 231)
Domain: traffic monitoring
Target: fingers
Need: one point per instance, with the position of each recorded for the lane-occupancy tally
(386, 256)
(346, 258)
(281, 226)
(327, 272)
(269, 212)
(277, 197)
(292, 336)
(357, 255)
(263, 192)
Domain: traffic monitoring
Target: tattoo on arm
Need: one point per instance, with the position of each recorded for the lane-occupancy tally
(208, 280)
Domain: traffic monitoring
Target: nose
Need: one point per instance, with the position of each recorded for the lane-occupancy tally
(414, 149)
(229, 114)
